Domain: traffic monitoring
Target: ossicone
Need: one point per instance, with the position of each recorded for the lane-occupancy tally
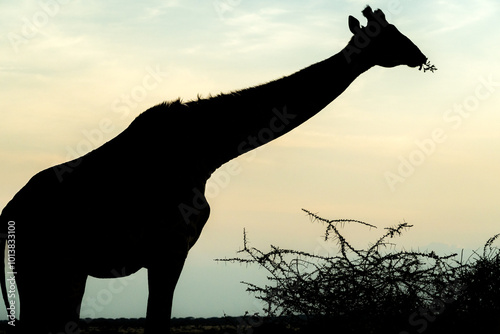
(378, 15)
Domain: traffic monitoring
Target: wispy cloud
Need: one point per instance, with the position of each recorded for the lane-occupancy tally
(277, 28)
(458, 15)
(160, 9)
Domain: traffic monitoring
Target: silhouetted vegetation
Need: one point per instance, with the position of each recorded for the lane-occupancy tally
(379, 289)
(428, 67)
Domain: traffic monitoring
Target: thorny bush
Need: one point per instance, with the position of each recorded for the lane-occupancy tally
(378, 289)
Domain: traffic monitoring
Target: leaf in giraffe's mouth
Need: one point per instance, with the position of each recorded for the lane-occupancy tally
(428, 67)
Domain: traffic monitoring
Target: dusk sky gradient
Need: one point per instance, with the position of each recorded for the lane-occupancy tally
(398, 145)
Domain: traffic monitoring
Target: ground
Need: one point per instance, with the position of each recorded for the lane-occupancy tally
(227, 325)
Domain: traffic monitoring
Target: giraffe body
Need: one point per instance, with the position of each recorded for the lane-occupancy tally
(138, 201)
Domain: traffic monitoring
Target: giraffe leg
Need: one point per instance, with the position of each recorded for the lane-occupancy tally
(162, 282)
(51, 304)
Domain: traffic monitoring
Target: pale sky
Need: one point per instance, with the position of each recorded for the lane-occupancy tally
(398, 145)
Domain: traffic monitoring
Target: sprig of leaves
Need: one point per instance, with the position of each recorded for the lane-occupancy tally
(428, 67)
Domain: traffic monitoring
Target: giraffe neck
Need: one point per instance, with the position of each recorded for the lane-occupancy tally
(233, 124)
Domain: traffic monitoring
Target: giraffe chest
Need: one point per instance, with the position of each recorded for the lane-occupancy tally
(137, 246)
(146, 229)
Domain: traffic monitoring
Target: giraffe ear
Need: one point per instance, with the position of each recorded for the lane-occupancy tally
(353, 24)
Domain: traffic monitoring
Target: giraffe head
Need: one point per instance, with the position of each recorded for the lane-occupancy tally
(381, 43)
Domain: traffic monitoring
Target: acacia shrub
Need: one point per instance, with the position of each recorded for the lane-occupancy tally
(377, 289)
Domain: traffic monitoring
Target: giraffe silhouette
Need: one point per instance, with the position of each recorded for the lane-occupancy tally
(138, 200)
